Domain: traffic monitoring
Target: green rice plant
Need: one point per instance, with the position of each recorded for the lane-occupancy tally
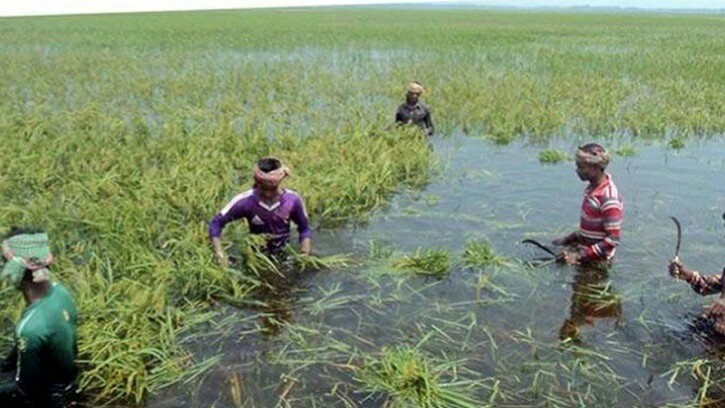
(409, 378)
(429, 262)
(380, 250)
(676, 144)
(626, 150)
(315, 263)
(124, 149)
(552, 156)
(479, 253)
(128, 222)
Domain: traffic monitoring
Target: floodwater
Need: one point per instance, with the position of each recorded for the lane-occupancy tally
(628, 329)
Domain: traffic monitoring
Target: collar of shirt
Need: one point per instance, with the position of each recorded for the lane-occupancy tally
(593, 191)
(258, 198)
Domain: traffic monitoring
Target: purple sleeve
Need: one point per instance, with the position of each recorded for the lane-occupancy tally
(299, 216)
(235, 210)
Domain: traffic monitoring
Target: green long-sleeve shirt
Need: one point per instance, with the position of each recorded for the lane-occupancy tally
(46, 342)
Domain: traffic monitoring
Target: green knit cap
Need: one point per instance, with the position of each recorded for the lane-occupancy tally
(26, 251)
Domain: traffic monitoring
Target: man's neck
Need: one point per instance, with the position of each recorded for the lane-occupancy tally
(593, 183)
(269, 200)
(33, 292)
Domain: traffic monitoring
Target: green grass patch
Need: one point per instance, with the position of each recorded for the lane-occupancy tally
(553, 156)
(410, 379)
(479, 253)
(432, 262)
(676, 144)
(626, 150)
(123, 144)
(128, 214)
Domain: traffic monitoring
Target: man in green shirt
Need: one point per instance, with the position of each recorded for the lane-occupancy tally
(45, 338)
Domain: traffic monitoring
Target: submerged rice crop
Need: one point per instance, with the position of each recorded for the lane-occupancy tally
(479, 253)
(409, 378)
(433, 262)
(552, 156)
(128, 223)
(626, 150)
(676, 143)
(123, 135)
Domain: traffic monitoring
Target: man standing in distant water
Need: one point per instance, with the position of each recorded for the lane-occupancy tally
(268, 209)
(45, 338)
(601, 211)
(413, 111)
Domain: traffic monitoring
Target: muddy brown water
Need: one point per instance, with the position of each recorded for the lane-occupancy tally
(503, 325)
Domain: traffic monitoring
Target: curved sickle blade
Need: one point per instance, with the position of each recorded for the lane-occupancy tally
(679, 236)
(540, 245)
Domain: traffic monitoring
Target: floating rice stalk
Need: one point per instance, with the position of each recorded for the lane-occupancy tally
(552, 156)
(479, 253)
(408, 378)
(428, 262)
(626, 150)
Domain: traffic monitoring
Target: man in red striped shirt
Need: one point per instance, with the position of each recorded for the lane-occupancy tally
(601, 212)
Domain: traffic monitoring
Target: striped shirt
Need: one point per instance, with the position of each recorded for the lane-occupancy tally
(602, 212)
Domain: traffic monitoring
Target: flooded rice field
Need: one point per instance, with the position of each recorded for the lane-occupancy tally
(503, 335)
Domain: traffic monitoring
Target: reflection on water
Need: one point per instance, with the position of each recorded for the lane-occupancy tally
(593, 297)
(627, 328)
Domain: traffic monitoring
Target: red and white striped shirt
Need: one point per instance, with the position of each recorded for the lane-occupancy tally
(601, 219)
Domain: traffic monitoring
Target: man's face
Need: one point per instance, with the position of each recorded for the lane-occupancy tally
(267, 191)
(586, 171)
(413, 97)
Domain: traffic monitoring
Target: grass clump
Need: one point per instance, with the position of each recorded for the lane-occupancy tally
(410, 379)
(430, 262)
(552, 156)
(626, 150)
(479, 253)
(676, 144)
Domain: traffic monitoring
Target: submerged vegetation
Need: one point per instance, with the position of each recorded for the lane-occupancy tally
(626, 150)
(676, 143)
(432, 262)
(411, 380)
(128, 223)
(479, 253)
(124, 134)
(552, 156)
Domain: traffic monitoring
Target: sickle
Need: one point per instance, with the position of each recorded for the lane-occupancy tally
(540, 245)
(679, 237)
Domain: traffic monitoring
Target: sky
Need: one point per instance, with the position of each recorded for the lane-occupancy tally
(50, 7)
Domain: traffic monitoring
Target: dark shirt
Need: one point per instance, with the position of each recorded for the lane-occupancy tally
(418, 114)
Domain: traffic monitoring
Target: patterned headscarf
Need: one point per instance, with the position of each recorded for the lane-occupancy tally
(27, 252)
(594, 154)
(270, 179)
(416, 87)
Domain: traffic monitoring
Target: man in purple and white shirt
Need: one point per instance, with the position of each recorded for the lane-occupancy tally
(268, 209)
